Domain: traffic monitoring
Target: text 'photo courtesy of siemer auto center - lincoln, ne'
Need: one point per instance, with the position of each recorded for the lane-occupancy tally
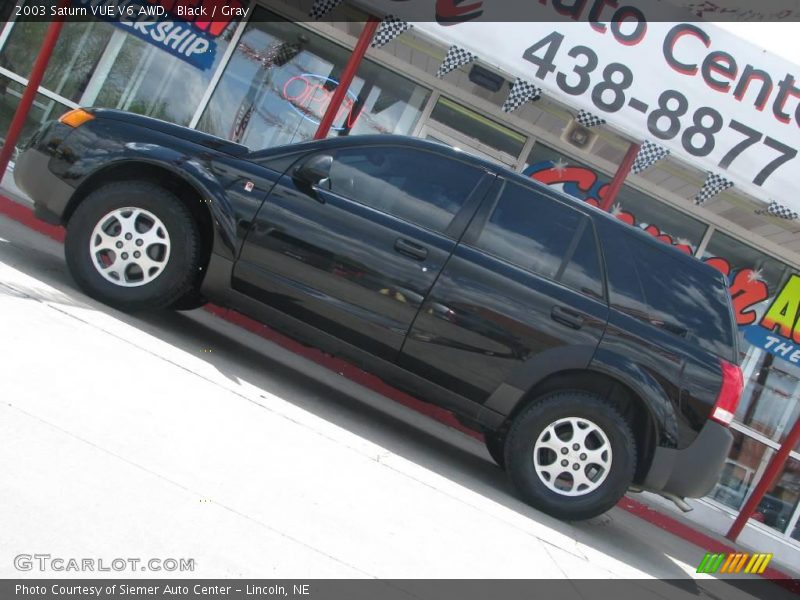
(399, 298)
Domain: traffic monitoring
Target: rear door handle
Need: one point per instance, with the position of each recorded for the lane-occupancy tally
(411, 249)
(567, 317)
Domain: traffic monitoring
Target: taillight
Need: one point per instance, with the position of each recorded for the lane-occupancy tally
(76, 117)
(729, 394)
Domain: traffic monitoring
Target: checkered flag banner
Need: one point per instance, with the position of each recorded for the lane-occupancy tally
(278, 54)
(521, 92)
(714, 185)
(587, 119)
(455, 58)
(320, 8)
(780, 211)
(649, 154)
(390, 28)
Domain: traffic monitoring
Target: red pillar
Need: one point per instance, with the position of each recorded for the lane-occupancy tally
(765, 483)
(28, 96)
(346, 79)
(619, 177)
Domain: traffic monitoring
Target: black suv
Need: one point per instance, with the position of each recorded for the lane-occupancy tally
(594, 358)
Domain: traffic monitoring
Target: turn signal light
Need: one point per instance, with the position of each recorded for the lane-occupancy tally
(729, 394)
(76, 117)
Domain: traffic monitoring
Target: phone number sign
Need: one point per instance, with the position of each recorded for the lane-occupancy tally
(711, 98)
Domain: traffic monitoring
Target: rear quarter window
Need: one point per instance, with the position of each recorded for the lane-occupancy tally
(684, 298)
(658, 286)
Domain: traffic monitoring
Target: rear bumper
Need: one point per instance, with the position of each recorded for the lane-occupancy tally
(50, 194)
(693, 471)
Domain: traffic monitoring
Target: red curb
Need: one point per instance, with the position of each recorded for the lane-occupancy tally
(25, 216)
(698, 538)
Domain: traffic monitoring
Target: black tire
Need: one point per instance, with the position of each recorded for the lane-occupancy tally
(189, 301)
(532, 422)
(179, 275)
(495, 444)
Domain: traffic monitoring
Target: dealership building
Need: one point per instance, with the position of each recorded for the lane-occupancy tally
(266, 78)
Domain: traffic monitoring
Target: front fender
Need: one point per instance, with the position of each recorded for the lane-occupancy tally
(198, 176)
(100, 148)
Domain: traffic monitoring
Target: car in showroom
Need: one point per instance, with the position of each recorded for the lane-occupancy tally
(594, 358)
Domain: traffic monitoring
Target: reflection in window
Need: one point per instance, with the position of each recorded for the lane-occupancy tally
(738, 474)
(582, 272)
(420, 187)
(771, 400)
(478, 127)
(280, 81)
(98, 64)
(741, 256)
(673, 299)
(530, 230)
(78, 51)
(43, 109)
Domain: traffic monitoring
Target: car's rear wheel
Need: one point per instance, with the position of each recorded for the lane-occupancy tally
(571, 455)
(133, 245)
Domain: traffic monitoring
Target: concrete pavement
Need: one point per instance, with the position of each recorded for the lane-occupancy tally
(182, 436)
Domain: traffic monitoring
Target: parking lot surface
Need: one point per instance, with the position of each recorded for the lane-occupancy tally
(180, 435)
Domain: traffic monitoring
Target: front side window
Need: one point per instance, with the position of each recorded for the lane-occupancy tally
(421, 187)
(537, 233)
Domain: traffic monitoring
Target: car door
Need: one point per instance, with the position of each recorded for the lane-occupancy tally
(524, 289)
(352, 238)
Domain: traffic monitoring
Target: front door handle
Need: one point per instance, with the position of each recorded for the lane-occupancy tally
(567, 317)
(411, 249)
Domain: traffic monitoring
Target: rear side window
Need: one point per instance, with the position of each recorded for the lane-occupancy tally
(544, 236)
(683, 299)
(421, 187)
(582, 269)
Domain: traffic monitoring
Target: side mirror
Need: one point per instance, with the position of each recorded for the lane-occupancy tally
(313, 171)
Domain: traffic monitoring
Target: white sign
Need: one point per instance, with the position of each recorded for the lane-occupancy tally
(713, 99)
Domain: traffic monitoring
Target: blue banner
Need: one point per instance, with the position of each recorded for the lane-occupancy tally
(152, 23)
(772, 343)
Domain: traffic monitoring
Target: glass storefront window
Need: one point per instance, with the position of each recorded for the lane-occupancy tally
(632, 206)
(740, 470)
(741, 256)
(280, 81)
(771, 400)
(98, 64)
(43, 108)
(142, 78)
(77, 53)
(781, 500)
(477, 127)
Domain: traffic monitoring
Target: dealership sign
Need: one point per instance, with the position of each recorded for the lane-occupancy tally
(779, 329)
(711, 98)
(154, 22)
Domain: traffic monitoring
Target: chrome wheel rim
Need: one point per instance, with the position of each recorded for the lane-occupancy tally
(129, 247)
(572, 456)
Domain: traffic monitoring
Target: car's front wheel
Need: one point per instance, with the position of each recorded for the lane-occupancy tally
(133, 245)
(571, 455)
